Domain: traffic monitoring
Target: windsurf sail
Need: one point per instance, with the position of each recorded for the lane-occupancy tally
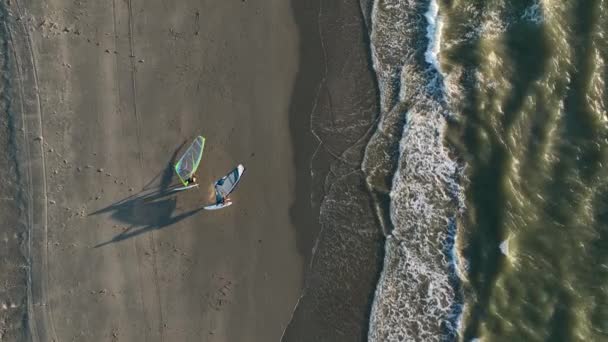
(186, 165)
(226, 185)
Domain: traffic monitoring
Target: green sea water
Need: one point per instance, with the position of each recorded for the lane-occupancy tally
(527, 80)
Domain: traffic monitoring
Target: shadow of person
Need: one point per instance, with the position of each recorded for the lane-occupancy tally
(164, 184)
(148, 193)
(168, 172)
(148, 210)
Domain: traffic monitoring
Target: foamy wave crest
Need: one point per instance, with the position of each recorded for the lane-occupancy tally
(433, 34)
(533, 13)
(416, 296)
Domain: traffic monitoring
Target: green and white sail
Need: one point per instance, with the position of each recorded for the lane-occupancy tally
(190, 160)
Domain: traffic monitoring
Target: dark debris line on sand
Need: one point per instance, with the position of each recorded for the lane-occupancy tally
(14, 270)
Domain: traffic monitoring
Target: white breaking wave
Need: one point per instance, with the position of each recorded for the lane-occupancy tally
(533, 13)
(433, 34)
(415, 297)
(504, 247)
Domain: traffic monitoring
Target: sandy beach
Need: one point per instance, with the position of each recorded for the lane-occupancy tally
(103, 96)
(408, 166)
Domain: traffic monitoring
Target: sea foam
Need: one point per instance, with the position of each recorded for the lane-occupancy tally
(416, 296)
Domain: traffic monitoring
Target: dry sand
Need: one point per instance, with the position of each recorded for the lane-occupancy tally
(105, 92)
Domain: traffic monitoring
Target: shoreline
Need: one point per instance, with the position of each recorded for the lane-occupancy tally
(337, 298)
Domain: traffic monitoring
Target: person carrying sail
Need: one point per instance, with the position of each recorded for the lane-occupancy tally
(191, 180)
(188, 163)
(225, 186)
(219, 198)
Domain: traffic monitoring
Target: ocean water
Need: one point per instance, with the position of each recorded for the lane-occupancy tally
(417, 295)
(487, 170)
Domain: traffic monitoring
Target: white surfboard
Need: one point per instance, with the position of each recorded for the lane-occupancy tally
(218, 206)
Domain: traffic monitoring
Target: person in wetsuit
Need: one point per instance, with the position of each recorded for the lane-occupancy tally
(191, 180)
(220, 199)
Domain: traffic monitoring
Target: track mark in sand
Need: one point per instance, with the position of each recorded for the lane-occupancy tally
(197, 25)
(134, 242)
(44, 255)
(141, 164)
(221, 296)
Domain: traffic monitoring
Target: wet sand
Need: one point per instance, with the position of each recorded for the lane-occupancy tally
(105, 94)
(348, 250)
